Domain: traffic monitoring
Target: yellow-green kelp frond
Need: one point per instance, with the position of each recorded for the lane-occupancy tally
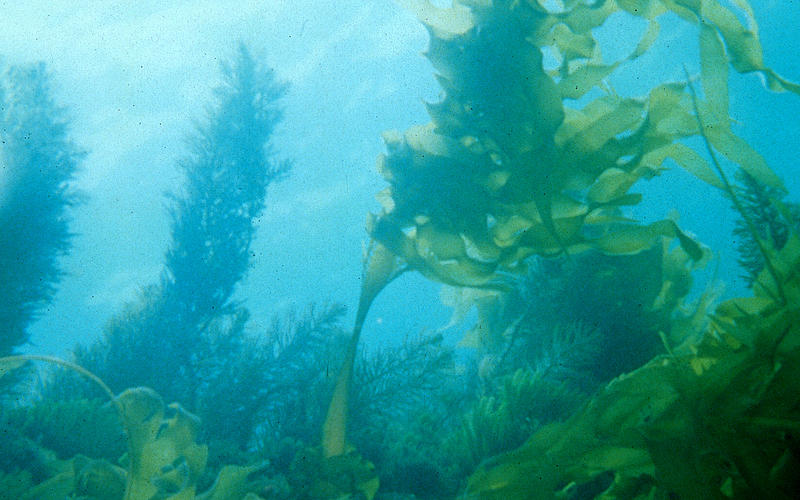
(716, 418)
(510, 166)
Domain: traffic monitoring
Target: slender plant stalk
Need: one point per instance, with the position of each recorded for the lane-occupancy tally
(748, 220)
(66, 364)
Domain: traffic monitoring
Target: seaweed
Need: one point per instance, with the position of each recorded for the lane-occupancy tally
(503, 419)
(39, 161)
(302, 351)
(773, 224)
(392, 381)
(517, 173)
(405, 401)
(497, 177)
(213, 225)
(162, 459)
(76, 427)
(514, 194)
(713, 419)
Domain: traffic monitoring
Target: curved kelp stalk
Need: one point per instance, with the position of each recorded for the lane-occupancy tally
(11, 363)
(380, 267)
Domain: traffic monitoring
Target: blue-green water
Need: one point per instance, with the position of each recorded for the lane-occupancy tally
(183, 196)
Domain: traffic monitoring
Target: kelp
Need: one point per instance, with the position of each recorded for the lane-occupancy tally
(380, 268)
(716, 418)
(506, 169)
(162, 460)
(510, 166)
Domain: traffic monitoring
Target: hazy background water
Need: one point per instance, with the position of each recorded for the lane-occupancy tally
(135, 76)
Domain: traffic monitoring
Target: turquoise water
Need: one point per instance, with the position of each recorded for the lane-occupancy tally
(183, 198)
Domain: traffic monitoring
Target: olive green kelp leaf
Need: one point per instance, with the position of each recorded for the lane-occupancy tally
(236, 482)
(164, 460)
(79, 477)
(718, 418)
(163, 457)
(510, 167)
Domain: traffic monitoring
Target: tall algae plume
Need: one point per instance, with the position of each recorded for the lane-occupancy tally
(511, 166)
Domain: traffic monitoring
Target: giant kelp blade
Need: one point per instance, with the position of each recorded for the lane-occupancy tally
(740, 152)
(714, 73)
(633, 238)
(581, 81)
(235, 482)
(443, 22)
(691, 161)
(164, 459)
(741, 43)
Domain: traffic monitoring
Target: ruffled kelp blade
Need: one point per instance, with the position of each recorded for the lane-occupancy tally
(500, 175)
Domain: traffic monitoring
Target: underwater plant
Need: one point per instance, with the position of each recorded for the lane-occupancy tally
(618, 305)
(302, 349)
(86, 427)
(497, 177)
(38, 161)
(162, 460)
(773, 217)
(391, 381)
(228, 170)
(715, 418)
(502, 419)
(405, 399)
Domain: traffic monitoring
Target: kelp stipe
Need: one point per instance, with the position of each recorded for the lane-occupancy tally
(380, 268)
(11, 363)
